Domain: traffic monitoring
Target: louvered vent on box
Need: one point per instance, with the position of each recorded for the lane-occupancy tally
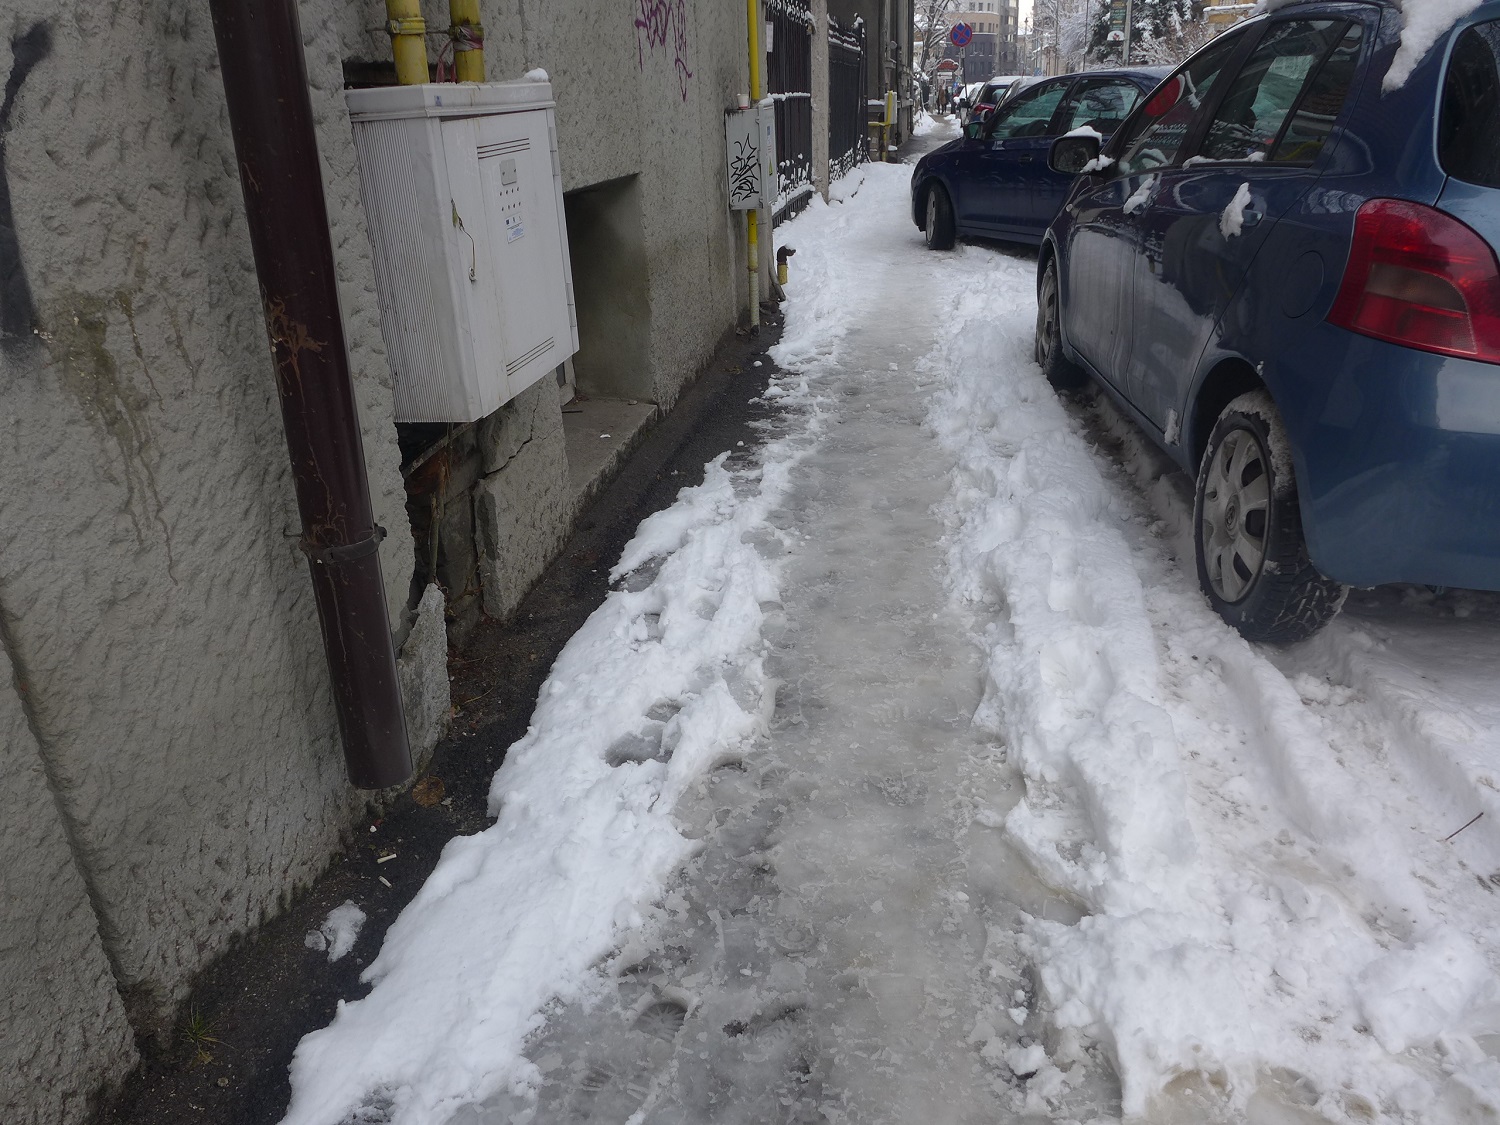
(463, 197)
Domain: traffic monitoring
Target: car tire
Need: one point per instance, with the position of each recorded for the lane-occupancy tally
(1252, 557)
(939, 230)
(1060, 371)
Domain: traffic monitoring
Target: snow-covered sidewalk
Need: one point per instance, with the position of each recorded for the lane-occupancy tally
(907, 776)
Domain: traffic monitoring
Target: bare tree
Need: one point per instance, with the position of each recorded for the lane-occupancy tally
(931, 22)
(1060, 33)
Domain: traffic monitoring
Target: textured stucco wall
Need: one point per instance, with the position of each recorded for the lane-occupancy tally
(62, 1026)
(641, 89)
(158, 607)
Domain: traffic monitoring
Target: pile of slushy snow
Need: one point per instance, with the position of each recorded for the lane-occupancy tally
(1259, 908)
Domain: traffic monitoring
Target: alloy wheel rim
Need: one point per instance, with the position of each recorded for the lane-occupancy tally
(1046, 314)
(1236, 515)
(931, 213)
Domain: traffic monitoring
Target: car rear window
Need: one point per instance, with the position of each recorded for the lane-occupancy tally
(1312, 124)
(1470, 116)
(1260, 100)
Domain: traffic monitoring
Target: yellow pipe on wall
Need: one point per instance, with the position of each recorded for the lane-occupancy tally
(468, 40)
(752, 217)
(408, 40)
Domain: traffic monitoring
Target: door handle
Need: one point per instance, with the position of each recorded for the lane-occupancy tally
(1025, 159)
(1250, 218)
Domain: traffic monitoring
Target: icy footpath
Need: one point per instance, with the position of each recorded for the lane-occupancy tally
(660, 683)
(837, 951)
(1270, 931)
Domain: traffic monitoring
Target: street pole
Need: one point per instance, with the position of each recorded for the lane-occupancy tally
(1125, 47)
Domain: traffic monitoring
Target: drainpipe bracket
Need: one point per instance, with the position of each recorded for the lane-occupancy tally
(343, 552)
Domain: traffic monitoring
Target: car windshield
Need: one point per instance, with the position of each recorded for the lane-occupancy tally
(1470, 119)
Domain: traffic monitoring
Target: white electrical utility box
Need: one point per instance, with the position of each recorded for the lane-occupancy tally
(750, 148)
(463, 196)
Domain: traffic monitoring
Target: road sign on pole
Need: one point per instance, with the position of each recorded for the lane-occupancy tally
(961, 34)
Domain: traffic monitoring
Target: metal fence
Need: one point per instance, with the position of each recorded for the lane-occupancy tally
(790, 81)
(847, 131)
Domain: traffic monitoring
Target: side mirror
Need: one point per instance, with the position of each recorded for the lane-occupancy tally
(974, 130)
(1070, 155)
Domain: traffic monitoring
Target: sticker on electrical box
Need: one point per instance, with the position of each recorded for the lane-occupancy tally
(514, 228)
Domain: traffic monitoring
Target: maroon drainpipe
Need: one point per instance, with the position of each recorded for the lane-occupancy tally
(265, 84)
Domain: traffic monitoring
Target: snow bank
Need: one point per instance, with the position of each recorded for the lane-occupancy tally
(1251, 907)
(662, 682)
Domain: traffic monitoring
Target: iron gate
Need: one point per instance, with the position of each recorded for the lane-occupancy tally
(847, 131)
(790, 82)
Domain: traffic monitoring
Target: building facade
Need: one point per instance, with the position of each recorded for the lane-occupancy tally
(994, 47)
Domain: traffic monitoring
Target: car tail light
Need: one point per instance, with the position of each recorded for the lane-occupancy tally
(1423, 279)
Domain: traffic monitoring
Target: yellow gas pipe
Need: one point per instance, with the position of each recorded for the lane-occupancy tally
(408, 40)
(468, 40)
(752, 216)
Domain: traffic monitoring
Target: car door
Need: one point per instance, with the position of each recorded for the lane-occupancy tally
(1207, 216)
(1098, 261)
(1013, 147)
(1100, 104)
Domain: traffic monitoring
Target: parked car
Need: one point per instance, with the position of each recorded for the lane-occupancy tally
(1284, 267)
(965, 96)
(991, 94)
(994, 181)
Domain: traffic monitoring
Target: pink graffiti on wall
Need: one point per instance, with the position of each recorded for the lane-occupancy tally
(663, 23)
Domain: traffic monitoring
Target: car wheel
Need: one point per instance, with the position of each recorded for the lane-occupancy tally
(939, 229)
(1061, 372)
(1252, 557)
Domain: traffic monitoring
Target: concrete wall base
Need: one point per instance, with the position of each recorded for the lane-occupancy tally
(523, 506)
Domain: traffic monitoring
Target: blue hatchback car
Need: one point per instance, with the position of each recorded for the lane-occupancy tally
(1283, 266)
(994, 180)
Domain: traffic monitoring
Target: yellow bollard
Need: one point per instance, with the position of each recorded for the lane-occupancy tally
(752, 217)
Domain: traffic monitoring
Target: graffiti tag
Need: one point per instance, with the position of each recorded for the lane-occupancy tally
(663, 24)
(744, 173)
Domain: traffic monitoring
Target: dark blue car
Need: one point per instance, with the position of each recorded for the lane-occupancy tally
(994, 180)
(1285, 270)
